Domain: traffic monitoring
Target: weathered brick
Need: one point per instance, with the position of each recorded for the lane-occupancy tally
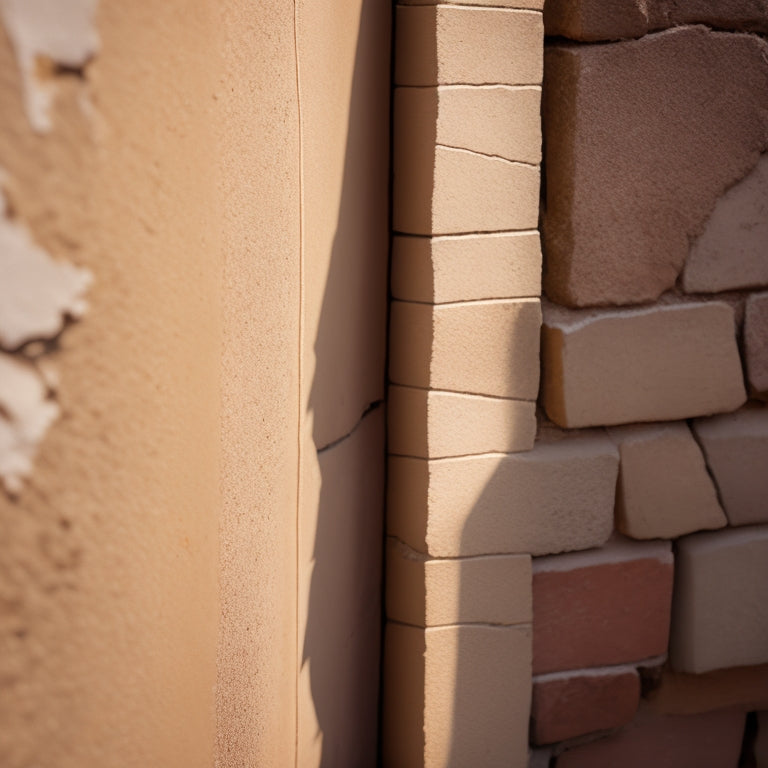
(438, 270)
(429, 592)
(592, 20)
(601, 607)
(756, 343)
(456, 696)
(721, 589)
(482, 347)
(736, 449)
(680, 693)
(557, 497)
(618, 366)
(432, 424)
(570, 704)
(711, 740)
(644, 118)
(444, 191)
(436, 45)
(664, 488)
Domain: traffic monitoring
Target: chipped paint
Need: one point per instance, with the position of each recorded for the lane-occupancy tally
(37, 293)
(26, 412)
(46, 34)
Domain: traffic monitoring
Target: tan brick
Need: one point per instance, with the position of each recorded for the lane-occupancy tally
(456, 696)
(730, 252)
(432, 424)
(467, 46)
(756, 343)
(664, 488)
(721, 589)
(484, 347)
(444, 191)
(679, 693)
(592, 20)
(601, 607)
(711, 740)
(429, 592)
(439, 270)
(501, 120)
(736, 449)
(629, 186)
(619, 366)
(531, 4)
(557, 497)
(570, 704)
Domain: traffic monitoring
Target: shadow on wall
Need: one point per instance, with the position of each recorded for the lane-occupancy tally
(341, 643)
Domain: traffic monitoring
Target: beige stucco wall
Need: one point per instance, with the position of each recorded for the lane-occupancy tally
(151, 565)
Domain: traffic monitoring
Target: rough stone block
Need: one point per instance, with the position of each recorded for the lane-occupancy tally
(662, 363)
(429, 592)
(500, 120)
(679, 693)
(440, 45)
(721, 590)
(711, 740)
(756, 343)
(736, 449)
(634, 171)
(601, 607)
(731, 250)
(444, 191)
(439, 270)
(456, 696)
(664, 488)
(592, 20)
(570, 704)
(557, 497)
(431, 424)
(484, 347)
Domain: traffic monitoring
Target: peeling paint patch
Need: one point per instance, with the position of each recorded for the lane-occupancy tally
(48, 36)
(26, 412)
(36, 292)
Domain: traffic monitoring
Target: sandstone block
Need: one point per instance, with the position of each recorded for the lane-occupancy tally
(710, 740)
(432, 424)
(736, 449)
(439, 270)
(570, 704)
(601, 607)
(721, 589)
(429, 592)
(484, 347)
(440, 45)
(501, 120)
(664, 488)
(557, 497)
(731, 252)
(756, 343)
(662, 363)
(625, 242)
(592, 20)
(443, 191)
(456, 696)
(679, 693)
(531, 4)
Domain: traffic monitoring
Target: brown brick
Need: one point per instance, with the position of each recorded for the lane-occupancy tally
(711, 740)
(601, 607)
(618, 366)
(634, 171)
(756, 343)
(721, 588)
(570, 704)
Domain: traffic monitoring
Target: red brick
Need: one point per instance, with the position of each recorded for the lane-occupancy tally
(711, 740)
(601, 607)
(570, 704)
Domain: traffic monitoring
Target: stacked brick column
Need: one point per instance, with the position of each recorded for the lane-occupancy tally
(464, 374)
